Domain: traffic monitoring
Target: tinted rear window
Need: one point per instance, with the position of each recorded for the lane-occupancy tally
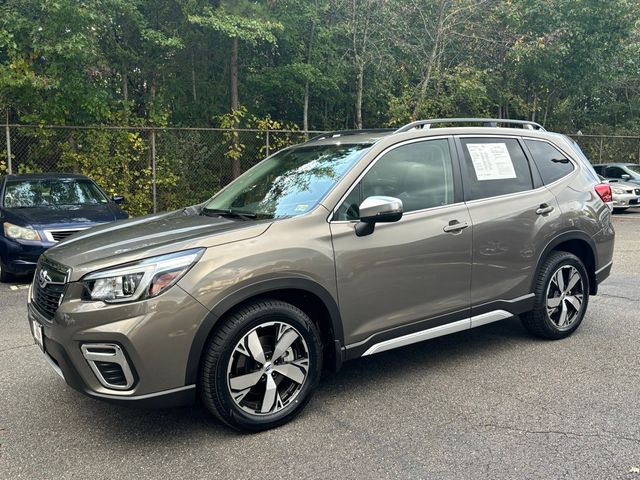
(552, 164)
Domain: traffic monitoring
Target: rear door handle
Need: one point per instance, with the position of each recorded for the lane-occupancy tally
(455, 226)
(544, 209)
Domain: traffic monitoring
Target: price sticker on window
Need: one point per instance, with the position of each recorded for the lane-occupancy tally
(491, 161)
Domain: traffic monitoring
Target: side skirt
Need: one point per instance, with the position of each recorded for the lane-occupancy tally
(440, 331)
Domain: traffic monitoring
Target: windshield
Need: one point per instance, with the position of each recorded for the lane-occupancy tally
(52, 192)
(291, 182)
(634, 168)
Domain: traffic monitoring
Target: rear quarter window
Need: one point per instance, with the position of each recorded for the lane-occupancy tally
(551, 162)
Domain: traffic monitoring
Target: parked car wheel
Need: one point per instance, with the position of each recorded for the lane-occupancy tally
(561, 297)
(261, 366)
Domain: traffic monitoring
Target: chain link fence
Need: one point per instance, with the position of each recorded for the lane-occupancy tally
(160, 169)
(156, 169)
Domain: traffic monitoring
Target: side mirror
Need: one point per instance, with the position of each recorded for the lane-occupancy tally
(625, 176)
(119, 199)
(377, 209)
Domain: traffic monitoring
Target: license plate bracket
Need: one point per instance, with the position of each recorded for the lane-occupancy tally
(37, 334)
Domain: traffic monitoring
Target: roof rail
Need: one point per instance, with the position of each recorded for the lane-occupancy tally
(486, 122)
(339, 133)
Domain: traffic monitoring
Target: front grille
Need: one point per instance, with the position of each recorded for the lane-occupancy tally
(62, 234)
(112, 373)
(49, 283)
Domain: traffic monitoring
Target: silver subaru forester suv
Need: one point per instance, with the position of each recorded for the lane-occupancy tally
(347, 245)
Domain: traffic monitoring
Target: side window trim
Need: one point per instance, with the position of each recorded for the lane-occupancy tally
(458, 193)
(535, 175)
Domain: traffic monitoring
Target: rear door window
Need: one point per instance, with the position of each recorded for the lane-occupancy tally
(551, 163)
(494, 166)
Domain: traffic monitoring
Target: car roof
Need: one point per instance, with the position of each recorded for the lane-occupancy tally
(46, 176)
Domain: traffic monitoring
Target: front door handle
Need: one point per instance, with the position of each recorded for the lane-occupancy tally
(455, 226)
(544, 209)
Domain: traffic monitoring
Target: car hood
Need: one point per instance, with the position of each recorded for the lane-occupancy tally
(625, 185)
(47, 217)
(130, 240)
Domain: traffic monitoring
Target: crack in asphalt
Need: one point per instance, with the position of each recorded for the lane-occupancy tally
(17, 347)
(610, 436)
(622, 297)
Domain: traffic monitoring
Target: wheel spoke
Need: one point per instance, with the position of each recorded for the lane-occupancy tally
(563, 314)
(255, 348)
(553, 303)
(573, 280)
(271, 396)
(559, 280)
(575, 301)
(243, 382)
(296, 370)
(284, 342)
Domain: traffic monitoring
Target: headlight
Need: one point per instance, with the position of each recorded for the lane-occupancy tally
(137, 281)
(617, 191)
(20, 233)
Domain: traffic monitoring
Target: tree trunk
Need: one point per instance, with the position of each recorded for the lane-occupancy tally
(125, 85)
(359, 89)
(305, 114)
(193, 80)
(235, 104)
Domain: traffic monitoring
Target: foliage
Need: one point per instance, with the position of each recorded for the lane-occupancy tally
(322, 64)
(128, 170)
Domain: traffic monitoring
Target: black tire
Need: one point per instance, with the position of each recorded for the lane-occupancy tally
(221, 354)
(539, 321)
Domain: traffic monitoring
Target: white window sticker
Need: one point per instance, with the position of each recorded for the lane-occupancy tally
(491, 161)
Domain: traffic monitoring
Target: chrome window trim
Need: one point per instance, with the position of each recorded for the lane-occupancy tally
(370, 166)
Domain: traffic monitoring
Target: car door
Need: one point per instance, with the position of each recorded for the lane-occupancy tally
(415, 272)
(514, 216)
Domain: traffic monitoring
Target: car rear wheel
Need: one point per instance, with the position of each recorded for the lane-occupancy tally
(261, 366)
(561, 297)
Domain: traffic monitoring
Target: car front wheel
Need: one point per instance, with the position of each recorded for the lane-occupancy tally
(261, 366)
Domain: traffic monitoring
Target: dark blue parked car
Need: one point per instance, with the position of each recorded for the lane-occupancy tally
(39, 210)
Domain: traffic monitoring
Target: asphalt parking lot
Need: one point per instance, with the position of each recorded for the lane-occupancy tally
(487, 403)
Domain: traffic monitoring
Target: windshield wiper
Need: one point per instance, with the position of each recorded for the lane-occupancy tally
(228, 212)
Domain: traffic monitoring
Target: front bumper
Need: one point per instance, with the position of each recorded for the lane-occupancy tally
(156, 336)
(625, 200)
(21, 257)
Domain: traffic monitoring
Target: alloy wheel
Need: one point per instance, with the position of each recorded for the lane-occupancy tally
(565, 295)
(268, 368)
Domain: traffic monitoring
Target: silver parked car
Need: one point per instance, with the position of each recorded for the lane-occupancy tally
(624, 195)
(345, 246)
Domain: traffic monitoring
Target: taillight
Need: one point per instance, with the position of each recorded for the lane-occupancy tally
(604, 192)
